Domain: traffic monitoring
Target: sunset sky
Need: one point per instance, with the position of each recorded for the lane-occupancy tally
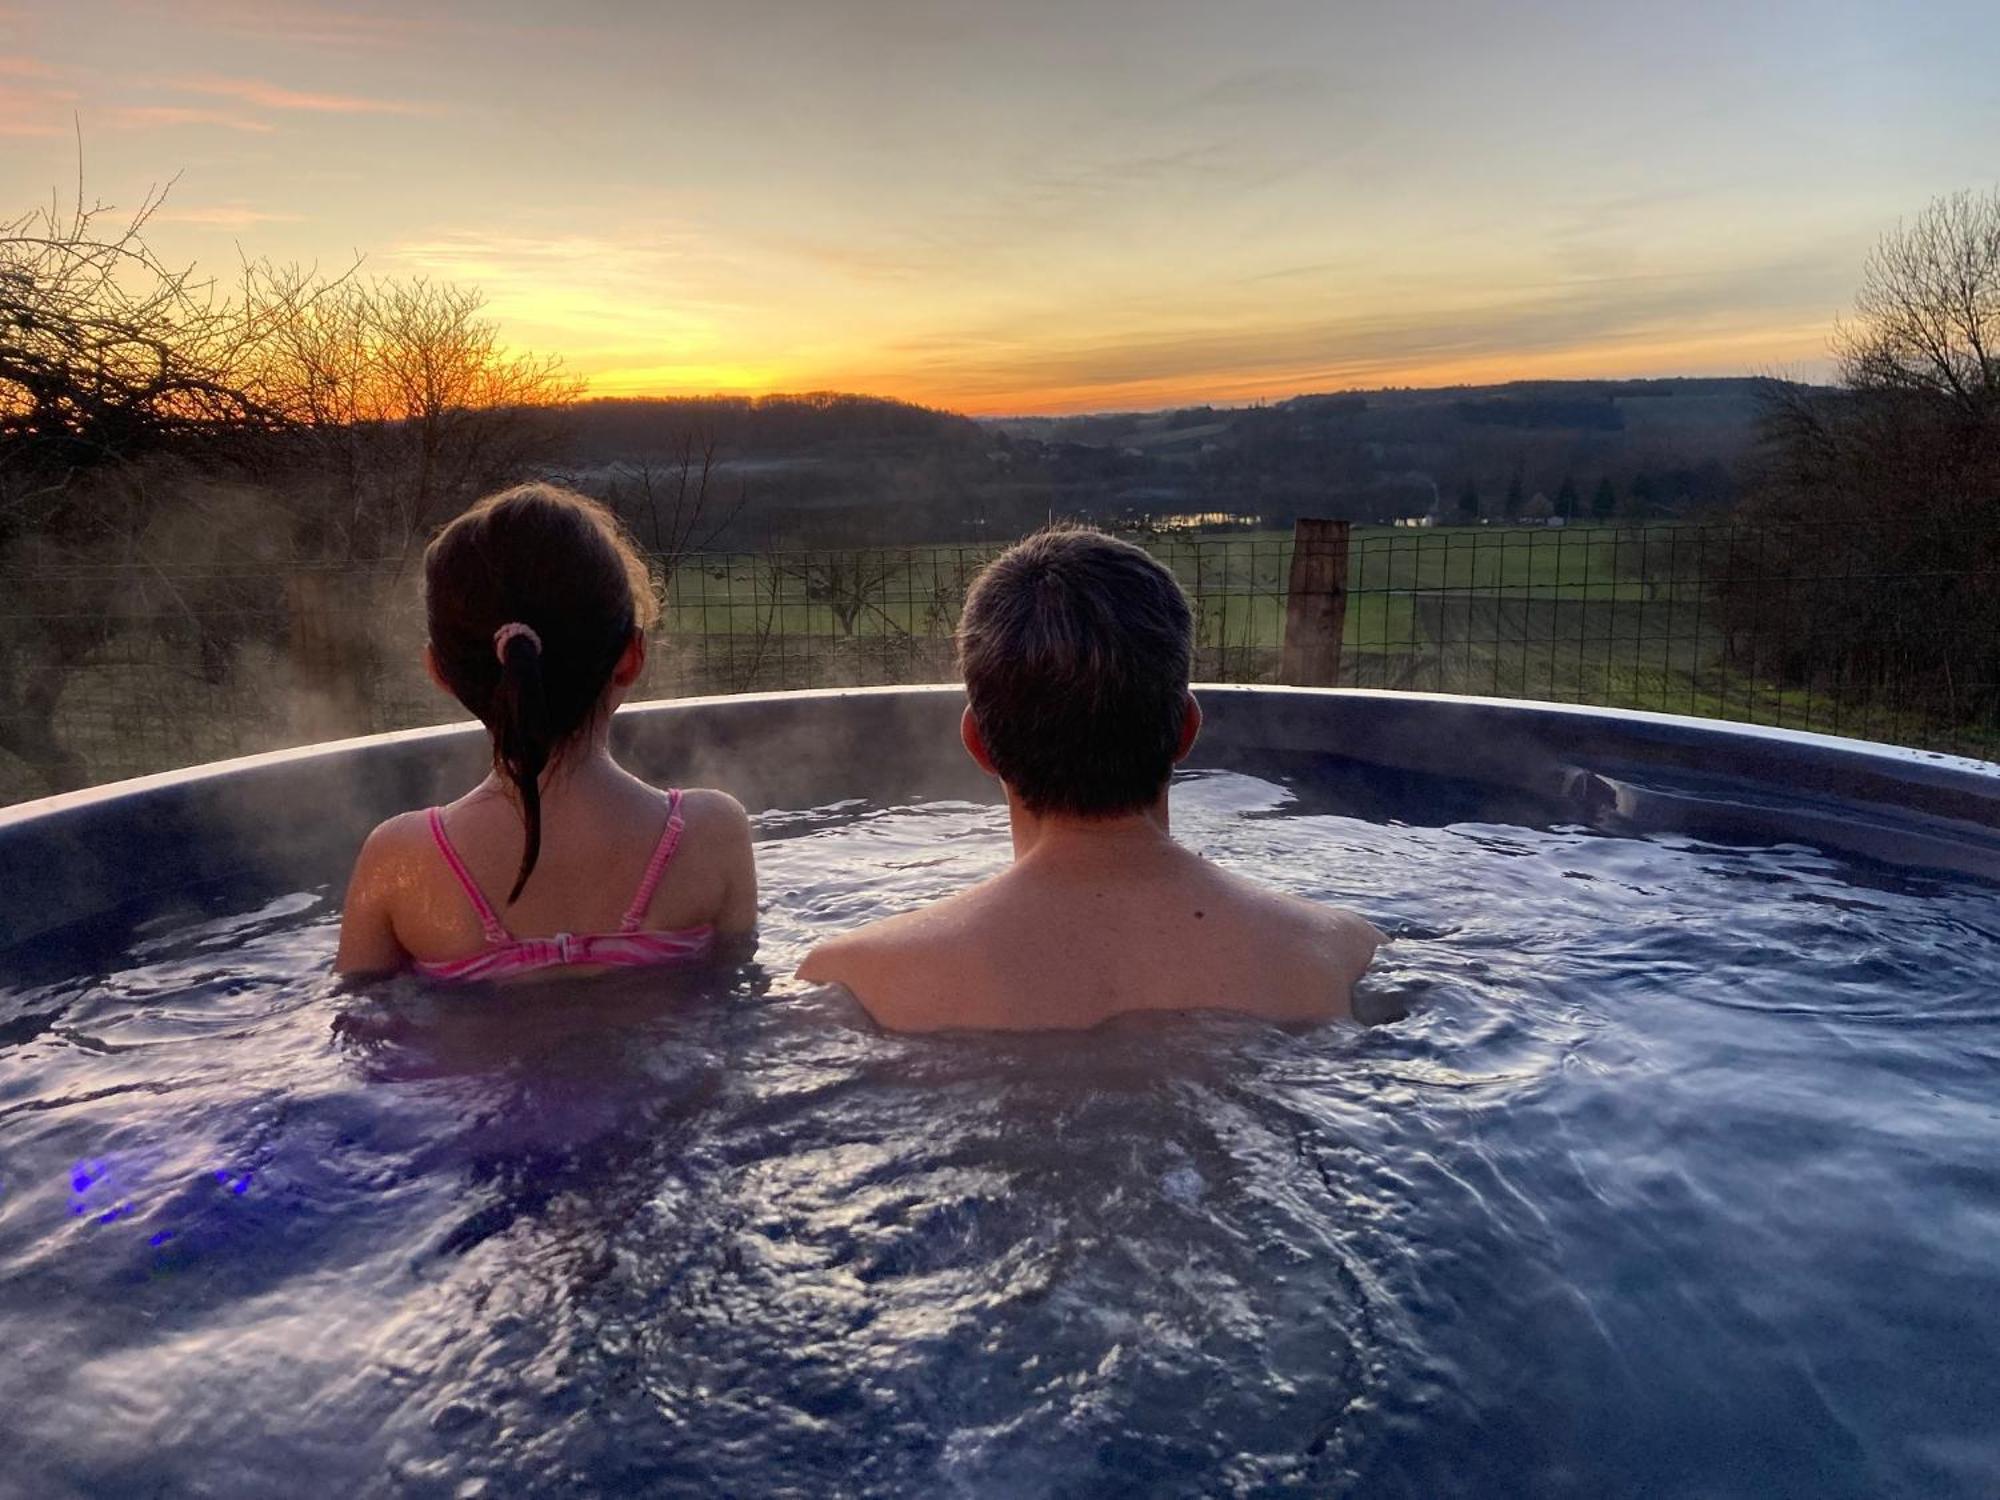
(1030, 207)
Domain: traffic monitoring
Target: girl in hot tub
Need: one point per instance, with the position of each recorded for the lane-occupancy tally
(560, 860)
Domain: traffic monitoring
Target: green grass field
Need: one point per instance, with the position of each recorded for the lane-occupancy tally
(1612, 615)
(1239, 581)
(1606, 614)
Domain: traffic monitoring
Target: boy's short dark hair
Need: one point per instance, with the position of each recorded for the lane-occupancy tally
(1076, 649)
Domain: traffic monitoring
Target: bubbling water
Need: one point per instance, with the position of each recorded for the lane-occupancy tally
(1677, 1175)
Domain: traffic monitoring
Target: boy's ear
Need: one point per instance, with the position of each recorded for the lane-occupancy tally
(1190, 729)
(631, 662)
(974, 742)
(431, 667)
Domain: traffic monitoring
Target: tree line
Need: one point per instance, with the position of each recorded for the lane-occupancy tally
(1874, 563)
(153, 421)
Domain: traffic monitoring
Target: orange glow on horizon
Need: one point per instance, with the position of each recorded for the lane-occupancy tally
(985, 214)
(1740, 352)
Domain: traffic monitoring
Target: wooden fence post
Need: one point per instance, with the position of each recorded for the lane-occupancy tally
(1315, 604)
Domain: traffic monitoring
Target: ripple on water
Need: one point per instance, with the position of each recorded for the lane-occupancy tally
(1677, 1175)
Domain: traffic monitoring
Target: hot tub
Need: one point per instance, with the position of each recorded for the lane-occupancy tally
(1676, 1175)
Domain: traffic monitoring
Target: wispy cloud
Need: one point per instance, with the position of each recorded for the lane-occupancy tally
(1258, 87)
(32, 106)
(339, 26)
(1724, 321)
(266, 95)
(152, 116)
(507, 255)
(600, 291)
(302, 23)
(1041, 210)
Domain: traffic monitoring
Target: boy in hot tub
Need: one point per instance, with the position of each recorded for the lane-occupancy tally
(1076, 649)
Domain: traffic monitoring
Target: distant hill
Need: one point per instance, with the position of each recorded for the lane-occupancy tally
(761, 424)
(838, 469)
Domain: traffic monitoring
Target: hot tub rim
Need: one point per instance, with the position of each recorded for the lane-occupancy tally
(1877, 754)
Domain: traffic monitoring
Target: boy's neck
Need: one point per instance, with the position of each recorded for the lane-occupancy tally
(1056, 837)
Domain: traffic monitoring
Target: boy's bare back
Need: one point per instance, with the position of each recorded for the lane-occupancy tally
(1067, 944)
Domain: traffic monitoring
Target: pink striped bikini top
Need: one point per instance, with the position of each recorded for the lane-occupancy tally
(505, 955)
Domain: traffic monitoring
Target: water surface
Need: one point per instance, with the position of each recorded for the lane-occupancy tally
(1680, 1177)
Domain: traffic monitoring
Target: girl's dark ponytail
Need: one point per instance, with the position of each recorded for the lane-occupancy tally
(544, 555)
(522, 743)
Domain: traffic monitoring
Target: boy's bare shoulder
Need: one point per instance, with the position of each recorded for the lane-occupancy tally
(1335, 944)
(890, 940)
(1314, 921)
(1337, 923)
(1311, 938)
(877, 963)
(1335, 927)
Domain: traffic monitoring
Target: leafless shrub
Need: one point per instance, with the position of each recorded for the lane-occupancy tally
(1892, 477)
(1927, 317)
(151, 417)
(108, 356)
(402, 398)
(849, 584)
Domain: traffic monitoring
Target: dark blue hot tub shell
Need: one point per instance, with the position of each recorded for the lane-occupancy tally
(291, 820)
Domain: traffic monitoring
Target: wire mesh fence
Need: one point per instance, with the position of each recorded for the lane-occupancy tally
(114, 671)
(1882, 633)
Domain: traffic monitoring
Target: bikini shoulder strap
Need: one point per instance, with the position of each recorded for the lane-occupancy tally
(489, 921)
(670, 840)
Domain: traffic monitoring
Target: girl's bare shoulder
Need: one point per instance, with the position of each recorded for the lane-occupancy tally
(396, 840)
(714, 818)
(709, 803)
